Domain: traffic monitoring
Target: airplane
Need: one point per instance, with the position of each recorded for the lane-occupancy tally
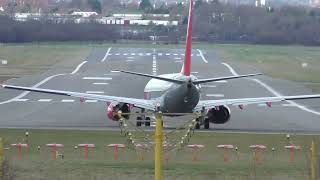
(181, 94)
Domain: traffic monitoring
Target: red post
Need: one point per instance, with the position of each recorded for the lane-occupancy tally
(257, 149)
(195, 150)
(86, 149)
(292, 149)
(225, 148)
(19, 146)
(54, 148)
(116, 149)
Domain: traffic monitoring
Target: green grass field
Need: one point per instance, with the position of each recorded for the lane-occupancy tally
(284, 62)
(101, 165)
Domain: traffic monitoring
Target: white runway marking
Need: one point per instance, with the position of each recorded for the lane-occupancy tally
(27, 92)
(182, 54)
(140, 54)
(288, 105)
(194, 72)
(177, 58)
(133, 54)
(24, 93)
(95, 92)
(148, 54)
(175, 54)
(215, 95)
(208, 86)
(222, 81)
(45, 100)
(78, 67)
(21, 100)
(167, 54)
(154, 63)
(98, 83)
(178, 61)
(159, 54)
(202, 56)
(91, 101)
(115, 71)
(67, 100)
(106, 55)
(117, 54)
(271, 90)
(97, 78)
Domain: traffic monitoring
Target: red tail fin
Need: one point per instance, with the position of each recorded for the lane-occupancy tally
(187, 58)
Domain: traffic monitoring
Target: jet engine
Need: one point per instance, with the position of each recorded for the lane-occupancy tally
(219, 115)
(114, 108)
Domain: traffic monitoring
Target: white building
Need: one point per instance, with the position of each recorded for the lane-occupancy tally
(84, 14)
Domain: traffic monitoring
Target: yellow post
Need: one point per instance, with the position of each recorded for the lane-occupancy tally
(158, 147)
(1, 159)
(314, 161)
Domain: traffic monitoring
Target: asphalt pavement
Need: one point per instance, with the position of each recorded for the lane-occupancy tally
(95, 75)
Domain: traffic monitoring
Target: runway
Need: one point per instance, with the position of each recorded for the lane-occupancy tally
(96, 75)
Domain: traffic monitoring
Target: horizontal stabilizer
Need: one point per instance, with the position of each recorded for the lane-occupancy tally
(154, 77)
(201, 81)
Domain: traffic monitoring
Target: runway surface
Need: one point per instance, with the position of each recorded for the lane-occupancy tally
(94, 75)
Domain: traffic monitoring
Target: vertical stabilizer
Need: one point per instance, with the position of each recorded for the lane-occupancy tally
(187, 58)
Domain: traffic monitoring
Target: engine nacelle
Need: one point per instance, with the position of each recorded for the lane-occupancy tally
(219, 115)
(114, 108)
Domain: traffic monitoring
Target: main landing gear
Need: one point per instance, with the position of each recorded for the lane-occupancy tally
(202, 121)
(142, 119)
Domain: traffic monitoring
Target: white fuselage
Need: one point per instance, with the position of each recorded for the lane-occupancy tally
(155, 87)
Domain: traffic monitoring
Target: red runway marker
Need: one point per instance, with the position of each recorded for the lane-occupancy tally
(292, 149)
(142, 148)
(116, 149)
(86, 149)
(19, 147)
(225, 148)
(257, 151)
(54, 148)
(195, 150)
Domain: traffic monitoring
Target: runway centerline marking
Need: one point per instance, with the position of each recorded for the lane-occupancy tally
(97, 78)
(78, 67)
(208, 86)
(95, 92)
(106, 55)
(91, 101)
(100, 83)
(44, 100)
(21, 100)
(202, 56)
(274, 92)
(67, 100)
(154, 62)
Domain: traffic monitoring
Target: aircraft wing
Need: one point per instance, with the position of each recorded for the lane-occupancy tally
(142, 103)
(245, 101)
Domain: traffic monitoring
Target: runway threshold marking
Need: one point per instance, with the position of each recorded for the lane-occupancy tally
(106, 55)
(274, 92)
(97, 78)
(202, 56)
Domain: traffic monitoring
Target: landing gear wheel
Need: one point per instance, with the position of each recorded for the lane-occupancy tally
(197, 123)
(139, 119)
(206, 123)
(147, 123)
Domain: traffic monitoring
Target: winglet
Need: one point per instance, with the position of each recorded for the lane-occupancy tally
(187, 58)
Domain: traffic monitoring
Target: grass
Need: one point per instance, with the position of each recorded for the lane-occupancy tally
(101, 165)
(283, 62)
